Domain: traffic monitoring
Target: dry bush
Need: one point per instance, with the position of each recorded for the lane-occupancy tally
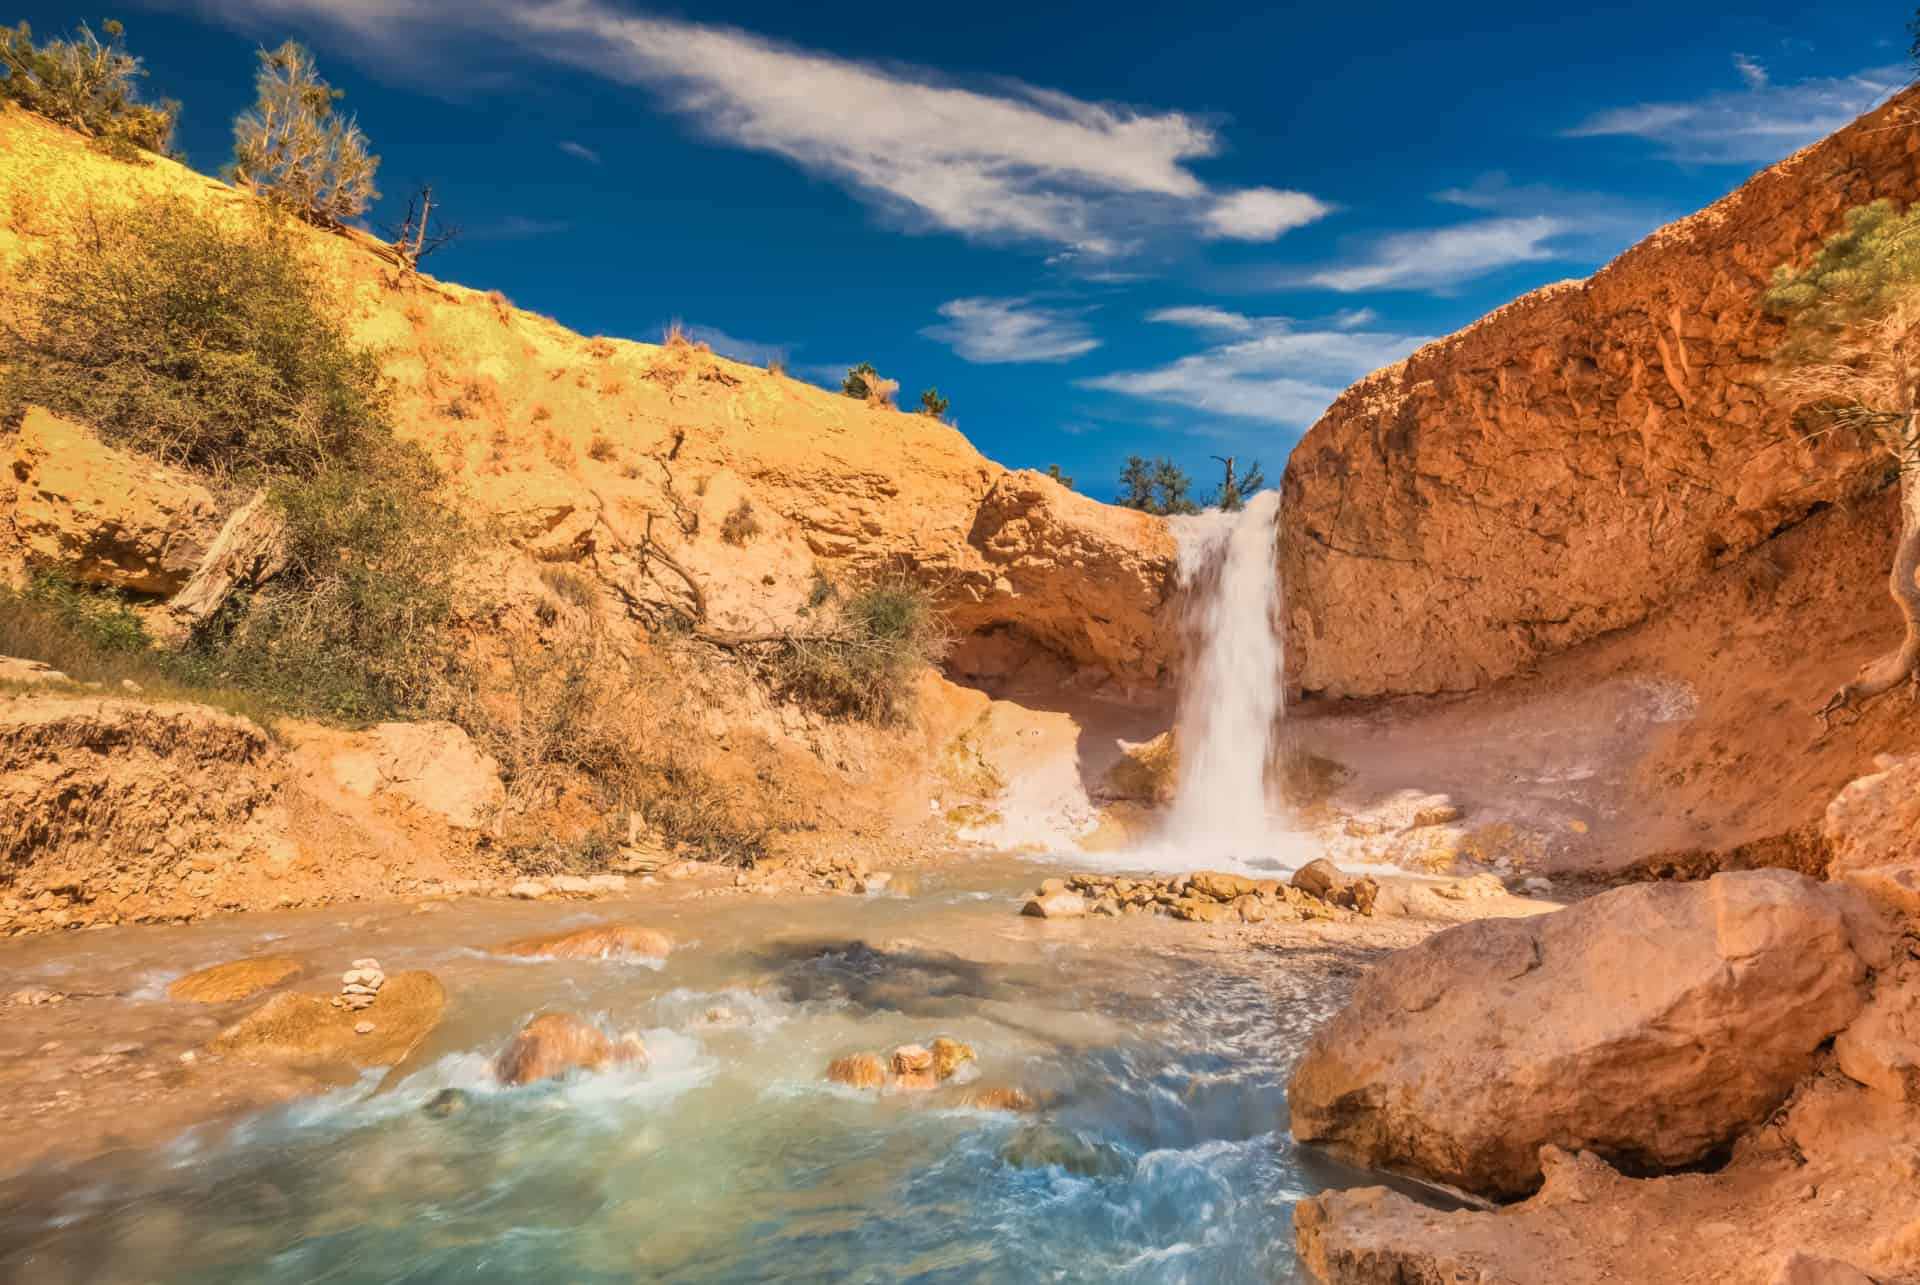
(777, 364)
(600, 348)
(864, 662)
(540, 413)
(740, 525)
(502, 307)
(630, 470)
(678, 338)
(600, 448)
(570, 585)
(580, 715)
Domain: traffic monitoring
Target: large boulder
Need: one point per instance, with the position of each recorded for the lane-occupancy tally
(1872, 829)
(1649, 1025)
(431, 767)
(102, 516)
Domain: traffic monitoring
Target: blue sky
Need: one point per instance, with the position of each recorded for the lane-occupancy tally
(1100, 230)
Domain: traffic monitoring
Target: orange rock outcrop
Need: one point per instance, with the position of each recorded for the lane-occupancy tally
(1568, 463)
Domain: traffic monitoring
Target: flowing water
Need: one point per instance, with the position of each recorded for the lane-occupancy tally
(1224, 813)
(1159, 1152)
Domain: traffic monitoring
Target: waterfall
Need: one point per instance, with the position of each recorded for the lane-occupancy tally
(1232, 693)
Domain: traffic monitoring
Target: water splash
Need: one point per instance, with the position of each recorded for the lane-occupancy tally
(1232, 697)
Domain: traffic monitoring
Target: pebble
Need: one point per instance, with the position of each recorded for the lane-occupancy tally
(363, 1028)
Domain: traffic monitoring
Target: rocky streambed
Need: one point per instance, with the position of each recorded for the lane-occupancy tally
(666, 1086)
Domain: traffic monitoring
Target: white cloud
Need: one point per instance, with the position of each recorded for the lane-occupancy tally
(1201, 317)
(1438, 258)
(1759, 123)
(1262, 214)
(580, 152)
(1283, 376)
(1012, 162)
(1010, 330)
(1353, 318)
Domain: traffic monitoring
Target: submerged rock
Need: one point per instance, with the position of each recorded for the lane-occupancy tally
(555, 1044)
(236, 979)
(1039, 1146)
(602, 941)
(858, 1070)
(445, 1103)
(1649, 1025)
(999, 1098)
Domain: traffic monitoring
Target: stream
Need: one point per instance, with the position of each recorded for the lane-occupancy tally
(1159, 1151)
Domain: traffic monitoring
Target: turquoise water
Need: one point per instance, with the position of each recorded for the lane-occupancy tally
(1159, 1152)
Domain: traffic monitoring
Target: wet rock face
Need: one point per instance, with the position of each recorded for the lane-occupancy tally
(309, 1027)
(1566, 464)
(1649, 1025)
(237, 979)
(601, 941)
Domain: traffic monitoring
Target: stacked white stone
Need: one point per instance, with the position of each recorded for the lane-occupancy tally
(360, 985)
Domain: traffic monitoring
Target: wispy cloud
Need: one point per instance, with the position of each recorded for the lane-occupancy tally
(1262, 214)
(1279, 375)
(1011, 330)
(580, 152)
(1000, 161)
(517, 227)
(1353, 318)
(1202, 317)
(1759, 123)
(1440, 258)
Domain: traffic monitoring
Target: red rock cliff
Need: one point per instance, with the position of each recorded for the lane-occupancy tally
(1567, 463)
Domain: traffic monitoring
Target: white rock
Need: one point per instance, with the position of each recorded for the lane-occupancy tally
(528, 890)
(363, 1028)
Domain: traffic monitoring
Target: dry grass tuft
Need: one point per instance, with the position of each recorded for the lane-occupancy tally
(740, 525)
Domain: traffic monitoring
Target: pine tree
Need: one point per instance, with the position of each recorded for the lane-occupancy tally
(855, 384)
(1850, 363)
(296, 148)
(1053, 471)
(933, 404)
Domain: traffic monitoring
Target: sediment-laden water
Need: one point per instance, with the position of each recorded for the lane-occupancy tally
(1159, 1152)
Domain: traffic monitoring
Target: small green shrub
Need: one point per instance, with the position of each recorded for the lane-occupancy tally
(932, 404)
(93, 636)
(864, 665)
(207, 343)
(86, 84)
(213, 344)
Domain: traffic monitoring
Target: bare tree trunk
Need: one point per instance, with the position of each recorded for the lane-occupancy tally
(1882, 675)
(250, 549)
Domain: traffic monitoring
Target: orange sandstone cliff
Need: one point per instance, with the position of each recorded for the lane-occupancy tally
(1572, 462)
